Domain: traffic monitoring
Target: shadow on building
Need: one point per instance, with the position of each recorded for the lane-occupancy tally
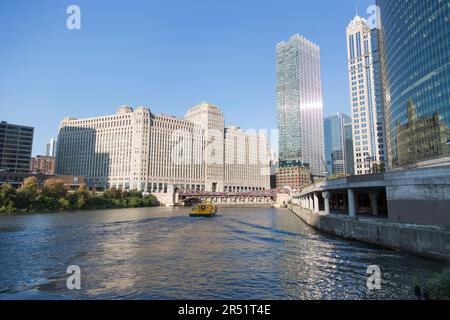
(77, 155)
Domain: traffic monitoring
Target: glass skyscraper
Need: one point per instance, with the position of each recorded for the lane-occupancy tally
(415, 56)
(16, 143)
(299, 103)
(335, 144)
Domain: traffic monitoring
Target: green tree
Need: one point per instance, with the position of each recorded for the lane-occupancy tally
(54, 188)
(7, 198)
(27, 193)
(377, 168)
(435, 288)
(82, 196)
(112, 193)
(134, 193)
(63, 203)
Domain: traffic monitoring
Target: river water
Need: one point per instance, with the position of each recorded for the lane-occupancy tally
(162, 253)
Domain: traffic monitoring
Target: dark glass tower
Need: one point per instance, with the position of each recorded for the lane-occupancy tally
(415, 63)
(16, 143)
(336, 154)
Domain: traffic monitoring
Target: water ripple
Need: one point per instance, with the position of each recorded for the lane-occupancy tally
(161, 253)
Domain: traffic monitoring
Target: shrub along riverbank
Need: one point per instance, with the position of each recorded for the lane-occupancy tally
(436, 288)
(54, 196)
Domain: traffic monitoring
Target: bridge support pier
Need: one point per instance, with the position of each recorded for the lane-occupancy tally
(374, 202)
(326, 198)
(351, 203)
(310, 202)
(316, 202)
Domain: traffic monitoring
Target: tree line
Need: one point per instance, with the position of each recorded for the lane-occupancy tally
(54, 196)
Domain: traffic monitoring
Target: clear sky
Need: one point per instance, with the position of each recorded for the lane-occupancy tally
(167, 55)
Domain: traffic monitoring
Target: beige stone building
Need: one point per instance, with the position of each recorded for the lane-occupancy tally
(135, 149)
(365, 96)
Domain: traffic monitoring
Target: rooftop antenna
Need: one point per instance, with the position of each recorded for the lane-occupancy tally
(356, 8)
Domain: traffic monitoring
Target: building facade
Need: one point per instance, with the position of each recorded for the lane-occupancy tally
(293, 175)
(363, 58)
(137, 150)
(335, 144)
(244, 154)
(415, 51)
(299, 103)
(43, 164)
(350, 162)
(16, 179)
(16, 143)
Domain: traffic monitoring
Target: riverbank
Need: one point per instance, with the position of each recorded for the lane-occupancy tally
(60, 210)
(54, 196)
(426, 241)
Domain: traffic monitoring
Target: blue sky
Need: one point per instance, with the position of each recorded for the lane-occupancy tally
(167, 55)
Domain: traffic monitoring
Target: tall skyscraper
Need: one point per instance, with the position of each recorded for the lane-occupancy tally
(335, 144)
(366, 96)
(415, 51)
(299, 104)
(16, 143)
(50, 148)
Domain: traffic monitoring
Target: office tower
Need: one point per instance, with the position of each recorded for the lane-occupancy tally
(16, 144)
(335, 144)
(348, 132)
(366, 96)
(137, 150)
(299, 104)
(415, 51)
(50, 148)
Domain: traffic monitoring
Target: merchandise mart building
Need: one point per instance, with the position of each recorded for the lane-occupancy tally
(137, 150)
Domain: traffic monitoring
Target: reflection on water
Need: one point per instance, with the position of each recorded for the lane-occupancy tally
(161, 253)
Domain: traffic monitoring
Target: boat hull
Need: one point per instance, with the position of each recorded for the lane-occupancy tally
(202, 215)
(204, 210)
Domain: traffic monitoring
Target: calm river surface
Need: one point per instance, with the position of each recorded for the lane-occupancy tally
(161, 253)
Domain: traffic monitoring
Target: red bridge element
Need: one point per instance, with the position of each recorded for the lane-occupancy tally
(261, 193)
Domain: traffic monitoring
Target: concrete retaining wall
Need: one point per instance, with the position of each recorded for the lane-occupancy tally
(431, 242)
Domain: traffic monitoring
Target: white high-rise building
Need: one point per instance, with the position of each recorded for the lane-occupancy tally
(299, 104)
(366, 96)
(136, 150)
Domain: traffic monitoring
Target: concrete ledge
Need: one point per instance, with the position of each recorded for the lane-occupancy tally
(430, 242)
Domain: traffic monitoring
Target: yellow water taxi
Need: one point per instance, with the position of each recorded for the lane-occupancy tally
(204, 210)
